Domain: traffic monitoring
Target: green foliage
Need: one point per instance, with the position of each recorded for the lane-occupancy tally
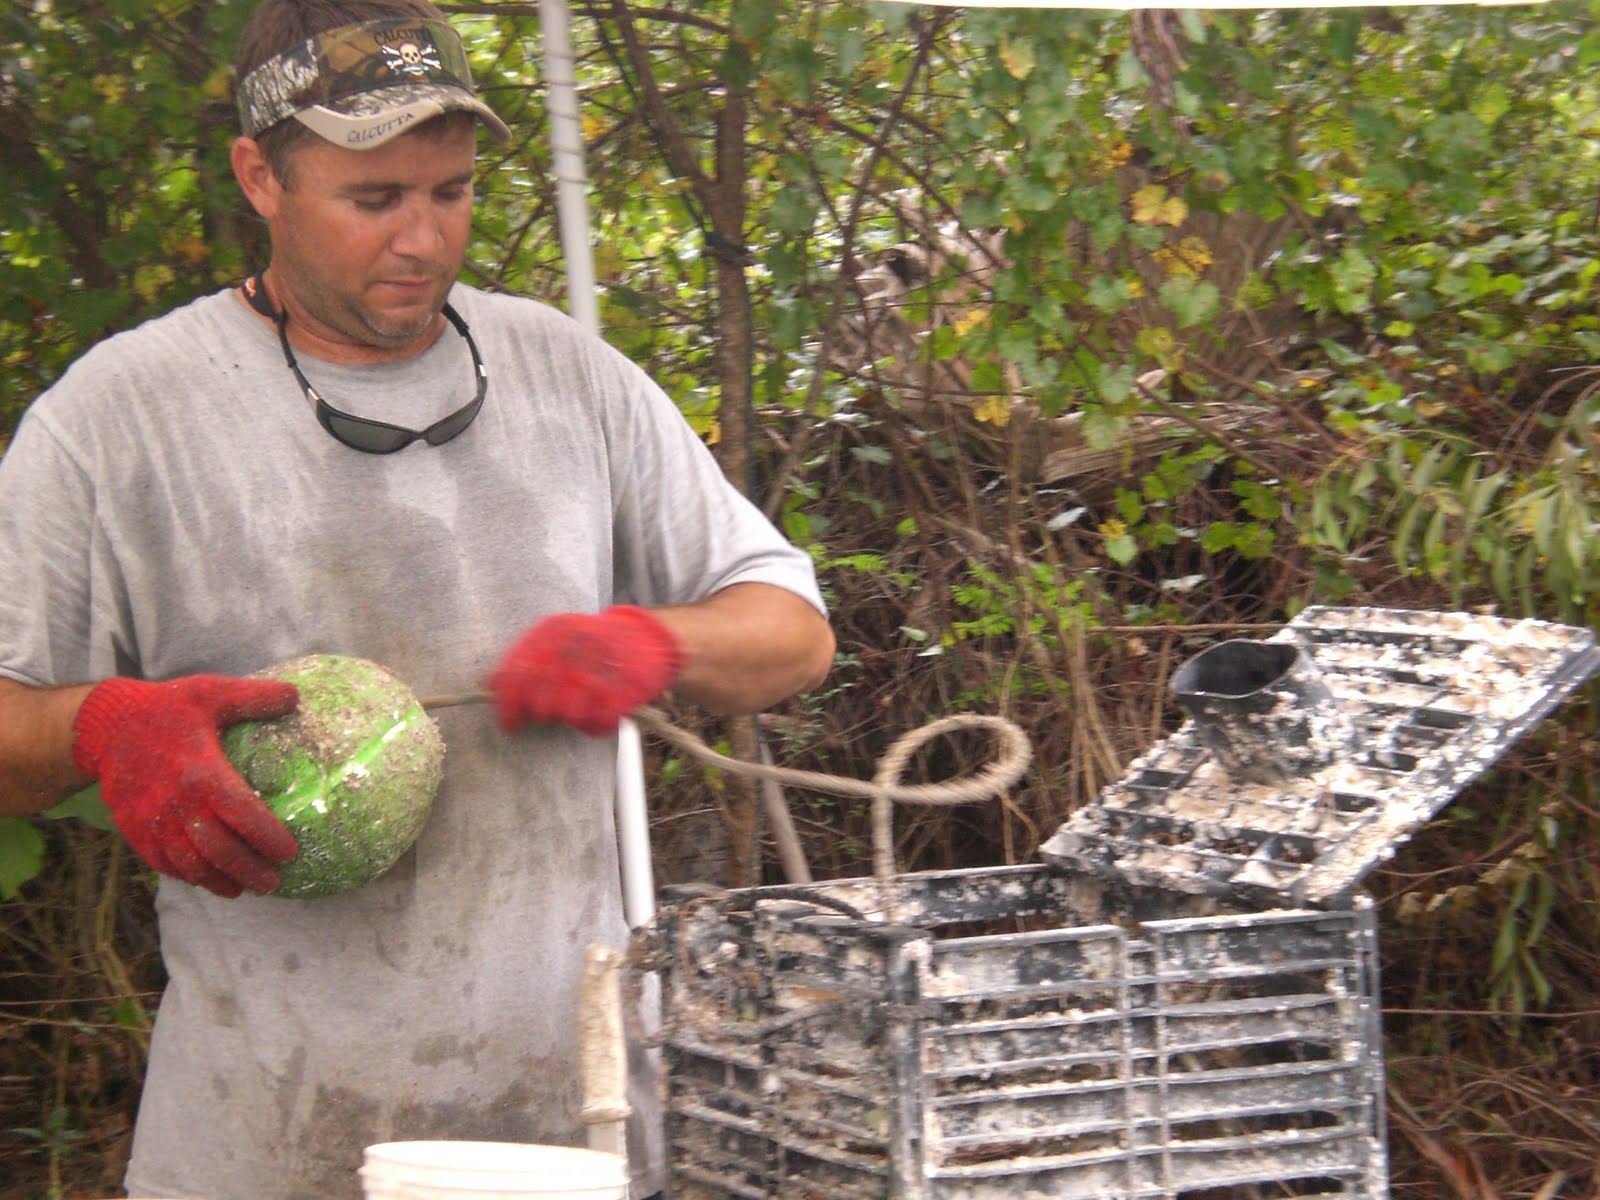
(55, 1138)
(1510, 522)
(86, 806)
(1517, 982)
(117, 205)
(1516, 898)
(21, 854)
(1425, 162)
(22, 847)
(1036, 606)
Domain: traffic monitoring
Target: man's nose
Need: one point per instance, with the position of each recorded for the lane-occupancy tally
(420, 231)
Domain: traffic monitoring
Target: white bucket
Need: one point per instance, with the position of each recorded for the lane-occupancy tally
(455, 1170)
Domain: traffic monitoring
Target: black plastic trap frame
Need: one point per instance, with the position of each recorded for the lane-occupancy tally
(1181, 1002)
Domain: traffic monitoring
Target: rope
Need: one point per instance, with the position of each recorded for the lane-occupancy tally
(1014, 753)
(713, 1011)
(884, 790)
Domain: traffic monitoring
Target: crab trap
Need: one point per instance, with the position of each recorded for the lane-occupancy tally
(1180, 1001)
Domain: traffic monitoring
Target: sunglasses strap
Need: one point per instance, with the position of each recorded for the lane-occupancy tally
(255, 295)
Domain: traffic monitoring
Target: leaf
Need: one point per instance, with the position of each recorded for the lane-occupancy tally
(1542, 988)
(1130, 72)
(1353, 274)
(1016, 55)
(1259, 500)
(1219, 536)
(969, 320)
(150, 281)
(993, 410)
(1343, 30)
(1433, 538)
(1491, 358)
(1500, 574)
(1122, 549)
(1543, 906)
(1505, 944)
(1107, 294)
(91, 313)
(1544, 521)
(1152, 206)
(1191, 301)
(1478, 499)
(797, 526)
(753, 18)
(1157, 342)
(1101, 430)
(1340, 355)
(1527, 560)
(1190, 257)
(1400, 545)
(21, 854)
(1115, 383)
(1255, 540)
(1324, 527)
(1117, 153)
(793, 211)
(1427, 469)
(87, 806)
(219, 84)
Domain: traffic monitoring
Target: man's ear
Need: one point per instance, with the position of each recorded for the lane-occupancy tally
(255, 175)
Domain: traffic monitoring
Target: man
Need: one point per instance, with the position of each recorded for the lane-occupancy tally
(354, 454)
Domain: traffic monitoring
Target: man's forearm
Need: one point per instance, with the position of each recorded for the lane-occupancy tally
(749, 646)
(36, 767)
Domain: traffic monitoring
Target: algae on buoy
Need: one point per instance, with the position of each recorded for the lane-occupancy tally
(352, 772)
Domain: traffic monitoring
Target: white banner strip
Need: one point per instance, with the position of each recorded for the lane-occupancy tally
(1128, 5)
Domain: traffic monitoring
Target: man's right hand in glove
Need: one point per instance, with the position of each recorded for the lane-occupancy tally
(156, 750)
(586, 670)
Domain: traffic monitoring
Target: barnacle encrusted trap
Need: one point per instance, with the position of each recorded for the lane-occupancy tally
(1181, 1001)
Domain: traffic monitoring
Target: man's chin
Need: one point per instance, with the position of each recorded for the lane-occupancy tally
(395, 329)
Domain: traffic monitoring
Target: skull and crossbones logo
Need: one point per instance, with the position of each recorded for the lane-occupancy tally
(412, 58)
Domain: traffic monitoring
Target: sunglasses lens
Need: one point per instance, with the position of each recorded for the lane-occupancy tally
(441, 432)
(370, 437)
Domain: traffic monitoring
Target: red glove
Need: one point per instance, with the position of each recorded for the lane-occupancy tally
(156, 749)
(586, 671)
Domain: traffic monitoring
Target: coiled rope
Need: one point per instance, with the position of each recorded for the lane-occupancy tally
(1013, 754)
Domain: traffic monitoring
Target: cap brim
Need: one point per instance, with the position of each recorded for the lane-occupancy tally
(369, 119)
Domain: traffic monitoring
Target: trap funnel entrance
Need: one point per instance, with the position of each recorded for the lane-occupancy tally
(1396, 712)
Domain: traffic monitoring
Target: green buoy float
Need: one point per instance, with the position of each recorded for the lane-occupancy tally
(352, 772)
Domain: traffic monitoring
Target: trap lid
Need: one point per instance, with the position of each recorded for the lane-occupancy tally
(1420, 703)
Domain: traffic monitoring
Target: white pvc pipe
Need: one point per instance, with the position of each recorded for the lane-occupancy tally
(572, 213)
(633, 828)
(566, 144)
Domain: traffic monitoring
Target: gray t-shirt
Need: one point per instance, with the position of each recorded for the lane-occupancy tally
(171, 506)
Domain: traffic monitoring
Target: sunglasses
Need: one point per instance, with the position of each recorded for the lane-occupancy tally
(380, 437)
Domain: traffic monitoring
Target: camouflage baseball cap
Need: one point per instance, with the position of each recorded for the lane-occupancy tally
(360, 85)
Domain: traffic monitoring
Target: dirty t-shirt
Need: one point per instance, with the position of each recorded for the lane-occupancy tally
(171, 506)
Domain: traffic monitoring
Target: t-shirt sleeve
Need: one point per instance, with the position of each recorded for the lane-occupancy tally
(48, 555)
(682, 530)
